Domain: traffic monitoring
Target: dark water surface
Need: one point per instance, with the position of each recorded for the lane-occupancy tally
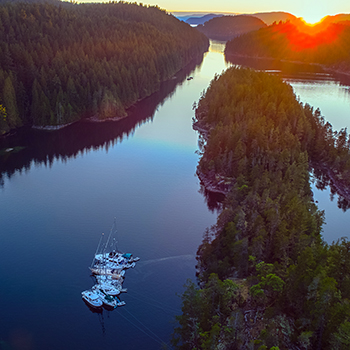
(64, 188)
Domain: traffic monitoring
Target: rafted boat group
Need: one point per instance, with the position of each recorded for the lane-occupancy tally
(108, 268)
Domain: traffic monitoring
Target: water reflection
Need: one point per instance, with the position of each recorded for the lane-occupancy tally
(217, 46)
(100, 315)
(214, 200)
(322, 180)
(44, 147)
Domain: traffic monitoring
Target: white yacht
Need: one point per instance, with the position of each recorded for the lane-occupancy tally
(109, 289)
(107, 299)
(92, 298)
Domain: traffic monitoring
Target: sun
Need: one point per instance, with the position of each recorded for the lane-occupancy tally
(313, 19)
(313, 12)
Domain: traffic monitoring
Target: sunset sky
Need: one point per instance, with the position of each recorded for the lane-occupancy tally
(311, 10)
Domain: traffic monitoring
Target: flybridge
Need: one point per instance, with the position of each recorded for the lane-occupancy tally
(108, 268)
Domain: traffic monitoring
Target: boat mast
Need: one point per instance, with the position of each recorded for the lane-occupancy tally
(93, 260)
(109, 237)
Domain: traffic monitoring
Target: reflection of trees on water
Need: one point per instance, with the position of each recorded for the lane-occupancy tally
(322, 180)
(217, 46)
(320, 177)
(214, 200)
(44, 147)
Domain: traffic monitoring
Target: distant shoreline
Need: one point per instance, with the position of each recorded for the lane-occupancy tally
(323, 66)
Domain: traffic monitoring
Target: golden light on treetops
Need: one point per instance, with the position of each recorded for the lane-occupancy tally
(302, 36)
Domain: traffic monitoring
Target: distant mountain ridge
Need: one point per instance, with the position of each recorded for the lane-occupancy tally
(267, 17)
(203, 19)
(53, 2)
(229, 27)
(339, 18)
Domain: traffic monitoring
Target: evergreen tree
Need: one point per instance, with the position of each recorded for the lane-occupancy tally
(10, 102)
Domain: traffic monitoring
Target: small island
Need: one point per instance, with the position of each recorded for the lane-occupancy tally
(267, 279)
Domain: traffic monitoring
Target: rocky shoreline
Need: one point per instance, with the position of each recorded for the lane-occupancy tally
(211, 181)
(51, 127)
(96, 119)
(197, 126)
(215, 183)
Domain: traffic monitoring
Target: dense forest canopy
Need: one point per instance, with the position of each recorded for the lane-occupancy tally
(60, 63)
(267, 279)
(327, 43)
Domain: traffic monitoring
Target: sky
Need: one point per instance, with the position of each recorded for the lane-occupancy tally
(311, 10)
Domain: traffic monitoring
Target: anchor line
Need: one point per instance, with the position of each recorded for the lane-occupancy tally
(165, 309)
(145, 327)
(156, 340)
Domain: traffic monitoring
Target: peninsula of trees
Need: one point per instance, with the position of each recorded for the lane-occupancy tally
(327, 43)
(62, 62)
(267, 279)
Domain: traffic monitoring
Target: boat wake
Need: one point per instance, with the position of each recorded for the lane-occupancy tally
(188, 257)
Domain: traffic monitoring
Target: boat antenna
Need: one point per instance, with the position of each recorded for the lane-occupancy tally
(99, 243)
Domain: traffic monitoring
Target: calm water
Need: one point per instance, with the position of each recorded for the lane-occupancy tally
(72, 183)
(63, 190)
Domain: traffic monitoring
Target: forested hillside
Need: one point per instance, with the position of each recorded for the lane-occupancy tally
(327, 43)
(270, 17)
(61, 63)
(267, 279)
(56, 2)
(228, 27)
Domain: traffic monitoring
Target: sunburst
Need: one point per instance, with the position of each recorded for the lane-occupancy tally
(313, 16)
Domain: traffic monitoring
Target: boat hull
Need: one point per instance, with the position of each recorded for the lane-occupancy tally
(92, 299)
